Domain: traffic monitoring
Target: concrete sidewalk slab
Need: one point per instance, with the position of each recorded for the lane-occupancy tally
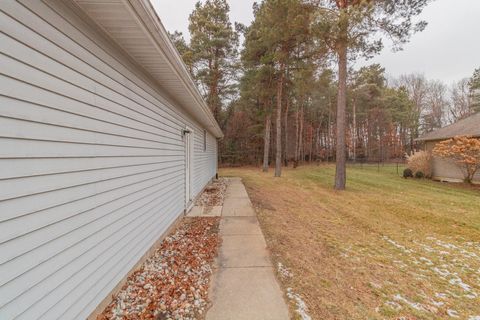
(247, 294)
(200, 211)
(244, 251)
(239, 194)
(244, 284)
(216, 211)
(196, 211)
(237, 207)
(238, 212)
(239, 226)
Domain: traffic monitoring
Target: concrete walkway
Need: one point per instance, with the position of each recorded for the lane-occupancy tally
(244, 284)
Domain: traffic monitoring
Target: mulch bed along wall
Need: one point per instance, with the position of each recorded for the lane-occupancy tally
(174, 282)
(213, 195)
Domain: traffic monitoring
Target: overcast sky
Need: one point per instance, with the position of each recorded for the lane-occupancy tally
(448, 49)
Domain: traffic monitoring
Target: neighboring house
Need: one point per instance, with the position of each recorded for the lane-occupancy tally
(445, 170)
(104, 142)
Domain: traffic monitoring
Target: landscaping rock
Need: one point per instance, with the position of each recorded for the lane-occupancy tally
(173, 283)
(213, 195)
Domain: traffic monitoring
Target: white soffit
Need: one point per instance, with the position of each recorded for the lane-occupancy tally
(135, 26)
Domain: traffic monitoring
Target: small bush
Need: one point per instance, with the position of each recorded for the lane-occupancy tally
(407, 173)
(420, 161)
(419, 175)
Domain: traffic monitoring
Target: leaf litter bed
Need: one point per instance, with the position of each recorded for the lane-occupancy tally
(173, 283)
(213, 195)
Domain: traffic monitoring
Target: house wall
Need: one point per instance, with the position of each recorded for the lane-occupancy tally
(92, 165)
(445, 170)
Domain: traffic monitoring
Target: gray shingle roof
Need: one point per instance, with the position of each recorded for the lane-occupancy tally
(467, 127)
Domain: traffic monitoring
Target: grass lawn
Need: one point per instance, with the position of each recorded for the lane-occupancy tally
(384, 248)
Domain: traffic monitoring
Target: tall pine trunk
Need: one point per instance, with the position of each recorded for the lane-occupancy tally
(354, 133)
(340, 170)
(285, 128)
(278, 158)
(311, 143)
(329, 133)
(297, 128)
(266, 141)
(301, 148)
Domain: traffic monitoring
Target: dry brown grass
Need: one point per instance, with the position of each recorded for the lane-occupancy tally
(380, 250)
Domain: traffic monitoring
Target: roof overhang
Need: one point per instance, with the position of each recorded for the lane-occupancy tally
(136, 28)
(469, 126)
(425, 139)
(440, 138)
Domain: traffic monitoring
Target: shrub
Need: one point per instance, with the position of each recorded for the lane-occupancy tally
(419, 175)
(420, 161)
(407, 173)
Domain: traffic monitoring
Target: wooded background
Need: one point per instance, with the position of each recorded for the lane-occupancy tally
(281, 82)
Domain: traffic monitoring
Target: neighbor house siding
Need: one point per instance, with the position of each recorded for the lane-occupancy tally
(92, 163)
(446, 170)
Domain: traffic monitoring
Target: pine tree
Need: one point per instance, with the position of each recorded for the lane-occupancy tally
(474, 86)
(349, 27)
(279, 27)
(183, 48)
(214, 53)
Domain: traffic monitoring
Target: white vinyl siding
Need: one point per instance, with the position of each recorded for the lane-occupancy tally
(92, 165)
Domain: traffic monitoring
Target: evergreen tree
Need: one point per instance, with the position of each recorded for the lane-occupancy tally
(183, 48)
(214, 53)
(279, 27)
(349, 27)
(474, 86)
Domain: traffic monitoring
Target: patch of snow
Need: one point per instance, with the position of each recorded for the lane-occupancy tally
(393, 305)
(401, 264)
(437, 303)
(441, 295)
(428, 262)
(414, 305)
(453, 313)
(453, 294)
(446, 245)
(302, 309)
(396, 245)
(474, 318)
(420, 276)
(458, 281)
(469, 254)
(427, 248)
(442, 272)
(284, 272)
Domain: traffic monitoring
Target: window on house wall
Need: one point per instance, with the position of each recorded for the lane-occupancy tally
(204, 140)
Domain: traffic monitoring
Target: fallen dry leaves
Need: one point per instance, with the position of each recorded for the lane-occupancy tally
(173, 283)
(213, 194)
